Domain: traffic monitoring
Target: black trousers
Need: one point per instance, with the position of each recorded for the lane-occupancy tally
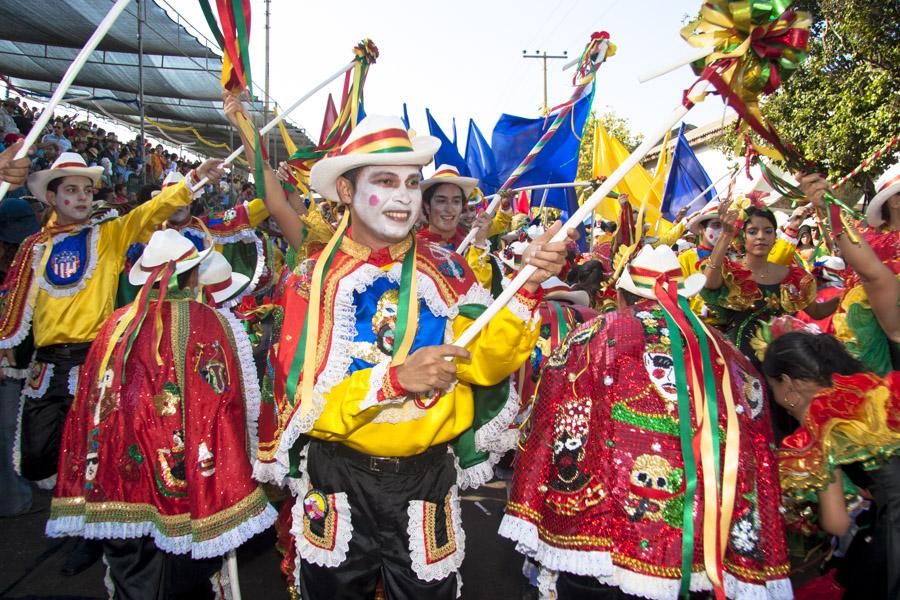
(43, 418)
(379, 493)
(141, 571)
(581, 587)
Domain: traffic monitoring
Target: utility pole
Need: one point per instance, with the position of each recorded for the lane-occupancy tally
(266, 91)
(142, 150)
(545, 57)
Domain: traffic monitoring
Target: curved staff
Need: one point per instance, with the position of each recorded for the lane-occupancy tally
(590, 62)
(279, 118)
(66, 82)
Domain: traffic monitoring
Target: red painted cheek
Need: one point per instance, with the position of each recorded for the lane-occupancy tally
(374, 200)
(658, 373)
(66, 202)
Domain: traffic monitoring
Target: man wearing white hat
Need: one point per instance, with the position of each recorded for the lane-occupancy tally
(61, 288)
(369, 416)
(154, 459)
(647, 465)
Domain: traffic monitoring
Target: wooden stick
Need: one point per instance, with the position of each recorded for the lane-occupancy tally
(234, 582)
(684, 60)
(278, 119)
(578, 217)
(66, 83)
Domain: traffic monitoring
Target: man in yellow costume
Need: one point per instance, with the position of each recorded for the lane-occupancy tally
(60, 289)
(377, 420)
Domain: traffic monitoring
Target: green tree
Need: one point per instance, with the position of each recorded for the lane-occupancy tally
(843, 102)
(618, 127)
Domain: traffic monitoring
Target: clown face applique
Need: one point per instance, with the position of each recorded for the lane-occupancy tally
(570, 437)
(661, 370)
(656, 491)
(751, 391)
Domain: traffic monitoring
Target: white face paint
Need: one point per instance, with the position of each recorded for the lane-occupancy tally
(72, 200)
(712, 232)
(387, 201)
(90, 467)
(661, 370)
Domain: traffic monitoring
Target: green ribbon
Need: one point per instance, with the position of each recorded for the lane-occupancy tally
(709, 381)
(243, 38)
(687, 451)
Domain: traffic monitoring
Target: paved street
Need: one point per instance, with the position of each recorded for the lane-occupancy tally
(31, 562)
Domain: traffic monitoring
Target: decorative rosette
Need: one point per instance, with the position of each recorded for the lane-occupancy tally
(366, 51)
(758, 45)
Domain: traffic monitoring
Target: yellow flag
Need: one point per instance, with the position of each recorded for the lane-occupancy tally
(608, 154)
(288, 142)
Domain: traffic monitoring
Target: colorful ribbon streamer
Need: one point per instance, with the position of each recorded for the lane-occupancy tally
(758, 45)
(234, 40)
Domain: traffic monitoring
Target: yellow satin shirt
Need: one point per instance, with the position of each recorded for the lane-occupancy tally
(78, 317)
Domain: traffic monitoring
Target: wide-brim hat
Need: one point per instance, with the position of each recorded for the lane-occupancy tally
(707, 213)
(450, 174)
(218, 279)
(640, 275)
(68, 164)
(886, 186)
(376, 140)
(516, 249)
(555, 288)
(166, 246)
(173, 178)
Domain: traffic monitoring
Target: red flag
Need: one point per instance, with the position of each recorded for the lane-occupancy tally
(330, 117)
(523, 204)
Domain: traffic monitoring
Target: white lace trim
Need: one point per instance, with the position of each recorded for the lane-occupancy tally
(17, 437)
(599, 564)
(70, 290)
(494, 436)
(29, 391)
(249, 382)
(376, 379)
(546, 583)
(14, 373)
(250, 288)
(343, 531)
(27, 313)
(416, 530)
(477, 294)
(217, 546)
(782, 235)
(525, 314)
(74, 372)
(477, 475)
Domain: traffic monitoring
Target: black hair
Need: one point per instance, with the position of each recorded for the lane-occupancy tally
(765, 213)
(886, 212)
(631, 298)
(146, 191)
(53, 184)
(815, 357)
(587, 276)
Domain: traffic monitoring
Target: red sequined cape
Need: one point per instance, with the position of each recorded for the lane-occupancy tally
(599, 487)
(169, 444)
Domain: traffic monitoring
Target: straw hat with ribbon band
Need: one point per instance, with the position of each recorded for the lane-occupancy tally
(886, 186)
(167, 254)
(655, 274)
(68, 164)
(450, 174)
(376, 140)
(220, 283)
(707, 213)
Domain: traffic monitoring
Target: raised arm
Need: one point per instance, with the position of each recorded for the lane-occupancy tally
(713, 267)
(278, 206)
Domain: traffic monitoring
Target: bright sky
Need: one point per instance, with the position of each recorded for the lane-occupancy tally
(464, 59)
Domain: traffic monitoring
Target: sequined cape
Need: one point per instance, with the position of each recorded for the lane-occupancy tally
(599, 487)
(169, 446)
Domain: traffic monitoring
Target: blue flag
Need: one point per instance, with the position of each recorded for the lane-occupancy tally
(686, 180)
(557, 162)
(480, 160)
(405, 117)
(448, 154)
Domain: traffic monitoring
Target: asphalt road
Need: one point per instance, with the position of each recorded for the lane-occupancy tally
(30, 562)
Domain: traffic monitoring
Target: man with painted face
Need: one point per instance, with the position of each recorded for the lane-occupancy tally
(374, 424)
(617, 488)
(59, 290)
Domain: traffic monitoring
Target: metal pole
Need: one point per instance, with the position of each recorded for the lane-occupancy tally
(141, 15)
(545, 57)
(546, 106)
(266, 92)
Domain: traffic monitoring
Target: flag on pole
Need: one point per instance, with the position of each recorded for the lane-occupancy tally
(405, 117)
(480, 160)
(514, 137)
(447, 154)
(331, 115)
(686, 180)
